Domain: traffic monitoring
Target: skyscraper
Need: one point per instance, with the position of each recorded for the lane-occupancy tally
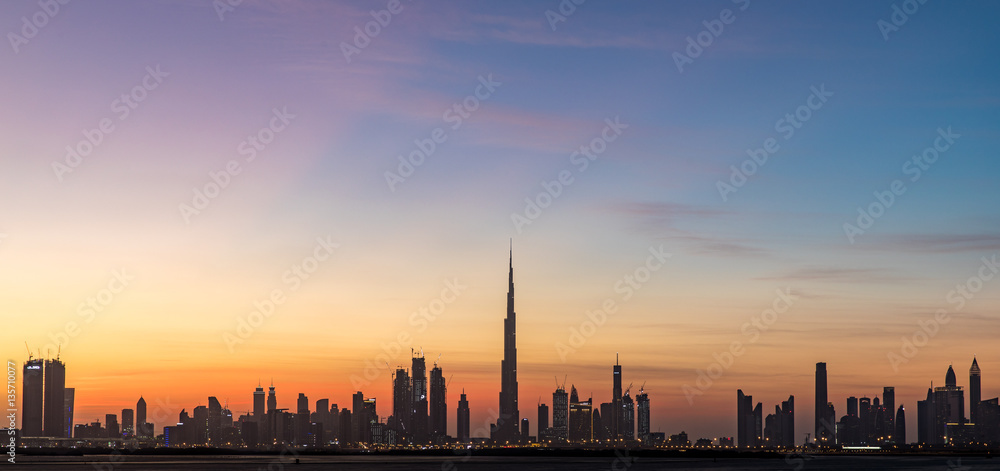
(142, 429)
(360, 423)
(642, 404)
(258, 404)
(975, 391)
(788, 422)
(438, 404)
(418, 418)
(899, 435)
(889, 406)
(949, 406)
(628, 417)
(543, 420)
(111, 425)
(581, 418)
(615, 421)
(68, 406)
(54, 410)
(926, 420)
(463, 419)
(402, 404)
(745, 421)
(507, 423)
(128, 423)
(214, 420)
(560, 415)
(32, 397)
(272, 398)
(824, 420)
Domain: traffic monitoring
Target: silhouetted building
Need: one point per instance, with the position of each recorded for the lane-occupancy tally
(507, 424)
(143, 429)
(642, 404)
(580, 418)
(302, 422)
(128, 423)
(463, 419)
(852, 406)
(899, 434)
(628, 417)
(748, 421)
(438, 404)
(975, 391)
(615, 421)
(927, 421)
(989, 415)
(525, 431)
(322, 417)
(560, 415)
(54, 416)
(543, 421)
(214, 420)
(419, 419)
(32, 397)
(949, 406)
(199, 420)
(346, 429)
(825, 417)
(865, 416)
(889, 411)
(259, 411)
(68, 406)
(111, 425)
(402, 405)
(602, 430)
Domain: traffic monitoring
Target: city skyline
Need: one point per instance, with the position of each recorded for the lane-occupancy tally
(722, 194)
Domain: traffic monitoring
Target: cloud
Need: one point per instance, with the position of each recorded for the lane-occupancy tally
(839, 275)
(934, 243)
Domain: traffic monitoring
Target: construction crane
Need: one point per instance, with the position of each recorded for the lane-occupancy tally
(627, 389)
(29, 350)
(449, 380)
(438, 359)
(642, 388)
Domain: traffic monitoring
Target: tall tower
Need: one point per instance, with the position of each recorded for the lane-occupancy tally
(975, 391)
(54, 412)
(507, 423)
(68, 405)
(889, 420)
(402, 405)
(616, 403)
(463, 419)
(642, 406)
(418, 419)
(140, 418)
(258, 407)
(438, 404)
(32, 397)
(824, 423)
(272, 399)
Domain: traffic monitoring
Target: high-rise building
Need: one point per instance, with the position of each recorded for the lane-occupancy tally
(543, 421)
(852, 406)
(949, 406)
(507, 424)
(560, 415)
(200, 421)
(272, 398)
(346, 428)
(899, 434)
(889, 407)
(975, 391)
(418, 393)
(463, 419)
(360, 428)
(824, 427)
(628, 417)
(54, 410)
(68, 406)
(788, 422)
(128, 423)
(140, 412)
(926, 421)
(402, 405)
(32, 397)
(642, 404)
(438, 404)
(302, 420)
(746, 421)
(615, 421)
(865, 416)
(258, 405)
(111, 425)
(581, 418)
(214, 420)
(322, 417)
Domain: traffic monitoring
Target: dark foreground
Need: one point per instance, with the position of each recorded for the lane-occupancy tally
(494, 463)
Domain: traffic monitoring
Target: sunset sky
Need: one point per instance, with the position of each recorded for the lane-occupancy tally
(202, 82)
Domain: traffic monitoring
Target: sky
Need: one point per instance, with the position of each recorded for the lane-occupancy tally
(195, 198)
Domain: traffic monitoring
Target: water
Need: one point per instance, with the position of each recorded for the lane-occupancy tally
(493, 463)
